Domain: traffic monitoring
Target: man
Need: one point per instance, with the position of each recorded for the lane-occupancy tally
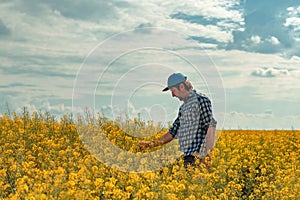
(192, 123)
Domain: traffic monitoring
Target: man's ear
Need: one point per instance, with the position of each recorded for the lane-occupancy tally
(181, 86)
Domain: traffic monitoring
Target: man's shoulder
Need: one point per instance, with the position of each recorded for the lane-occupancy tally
(201, 97)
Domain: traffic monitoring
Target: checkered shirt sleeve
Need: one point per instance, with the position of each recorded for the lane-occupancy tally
(176, 124)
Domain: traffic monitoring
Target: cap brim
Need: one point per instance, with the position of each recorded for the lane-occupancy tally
(166, 89)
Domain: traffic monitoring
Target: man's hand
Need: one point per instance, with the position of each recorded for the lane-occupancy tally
(148, 144)
(141, 146)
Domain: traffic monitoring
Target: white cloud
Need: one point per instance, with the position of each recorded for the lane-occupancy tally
(270, 72)
(294, 22)
(35, 103)
(210, 9)
(266, 19)
(268, 120)
(158, 15)
(256, 39)
(237, 69)
(293, 19)
(273, 40)
(156, 113)
(45, 43)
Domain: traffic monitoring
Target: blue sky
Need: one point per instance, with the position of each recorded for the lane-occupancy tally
(115, 56)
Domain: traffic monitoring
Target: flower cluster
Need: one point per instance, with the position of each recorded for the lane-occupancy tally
(45, 158)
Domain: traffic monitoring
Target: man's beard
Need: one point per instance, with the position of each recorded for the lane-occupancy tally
(180, 98)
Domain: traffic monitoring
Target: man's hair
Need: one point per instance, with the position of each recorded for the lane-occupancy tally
(187, 85)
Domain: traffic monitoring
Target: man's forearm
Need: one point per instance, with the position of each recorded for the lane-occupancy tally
(162, 140)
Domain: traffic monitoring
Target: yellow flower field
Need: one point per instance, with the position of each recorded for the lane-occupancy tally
(44, 158)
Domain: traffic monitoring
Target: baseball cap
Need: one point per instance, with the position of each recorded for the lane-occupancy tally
(175, 79)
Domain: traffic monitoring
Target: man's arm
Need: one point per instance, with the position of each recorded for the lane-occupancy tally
(166, 138)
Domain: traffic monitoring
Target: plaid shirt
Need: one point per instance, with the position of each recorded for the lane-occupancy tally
(190, 127)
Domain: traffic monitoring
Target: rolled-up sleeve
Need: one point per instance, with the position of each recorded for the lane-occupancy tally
(213, 122)
(205, 112)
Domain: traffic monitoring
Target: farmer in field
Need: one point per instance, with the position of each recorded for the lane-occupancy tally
(194, 126)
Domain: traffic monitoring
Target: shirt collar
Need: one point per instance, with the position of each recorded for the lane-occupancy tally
(191, 94)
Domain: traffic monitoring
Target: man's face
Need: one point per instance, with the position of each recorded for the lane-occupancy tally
(176, 93)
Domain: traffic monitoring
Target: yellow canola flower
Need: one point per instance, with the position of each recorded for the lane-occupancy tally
(172, 196)
(181, 187)
(44, 158)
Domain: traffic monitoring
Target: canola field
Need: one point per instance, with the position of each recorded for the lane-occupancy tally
(44, 158)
